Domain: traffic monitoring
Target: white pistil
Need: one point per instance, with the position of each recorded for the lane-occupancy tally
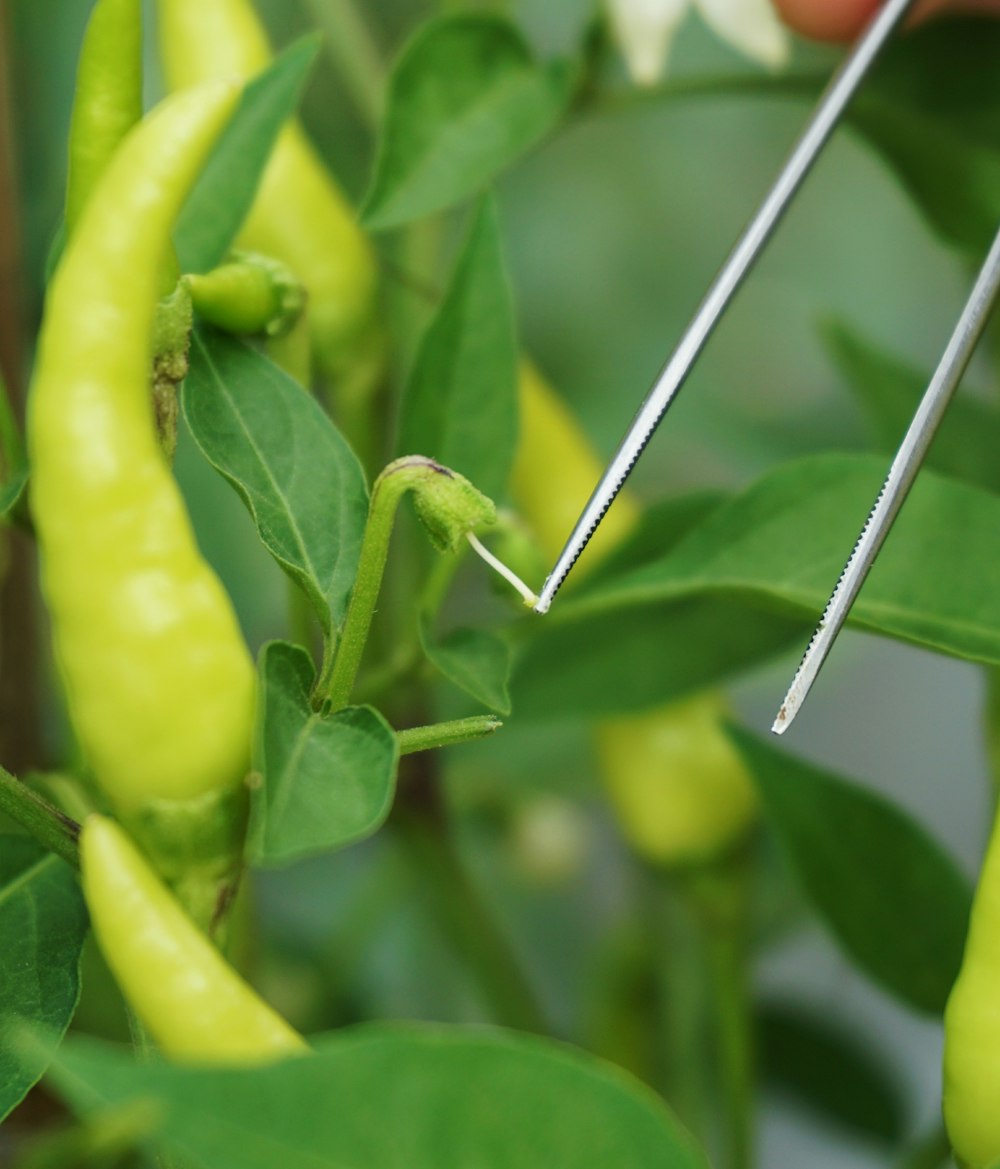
(530, 598)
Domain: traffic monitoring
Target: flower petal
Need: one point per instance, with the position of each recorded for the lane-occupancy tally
(644, 30)
(752, 26)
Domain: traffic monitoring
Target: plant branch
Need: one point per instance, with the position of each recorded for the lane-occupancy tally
(350, 43)
(448, 506)
(421, 825)
(446, 734)
(50, 827)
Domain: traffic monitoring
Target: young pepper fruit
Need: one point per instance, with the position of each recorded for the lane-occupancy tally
(300, 216)
(678, 788)
(972, 1028)
(190, 1000)
(159, 681)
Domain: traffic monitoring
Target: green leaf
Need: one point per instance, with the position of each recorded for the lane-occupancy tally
(933, 113)
(661, 526)
(893, 899)
(757, 568)
(216, 208)
(324, 781)
(43, 923)
(298, 477)
(476, 660)
(889, 391)
(460, 404)
(955, 181)
(465, 99)
(397, 1097)
(629, 656)
(830, 1070)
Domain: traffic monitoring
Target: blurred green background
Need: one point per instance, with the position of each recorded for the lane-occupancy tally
(612, 232)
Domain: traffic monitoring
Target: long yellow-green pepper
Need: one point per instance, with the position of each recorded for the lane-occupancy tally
(190, 1000)
(972, 1028)
(159, 682)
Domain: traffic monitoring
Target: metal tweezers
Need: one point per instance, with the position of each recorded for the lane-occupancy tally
(671, 378)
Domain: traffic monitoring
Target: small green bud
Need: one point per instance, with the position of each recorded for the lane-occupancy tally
(250, 294)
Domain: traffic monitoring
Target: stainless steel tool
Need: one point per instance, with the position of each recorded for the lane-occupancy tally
(902, 473)
(748, 247)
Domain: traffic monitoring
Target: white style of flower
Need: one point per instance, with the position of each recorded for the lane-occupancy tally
(644, 30)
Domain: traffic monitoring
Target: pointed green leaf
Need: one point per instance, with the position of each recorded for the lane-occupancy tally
(830, 1070)
(955, 181)
(466, 98)
(476, 660)
(460, 404)
(890, 895)
(298, 477)
(323, 781)
(889, 391)
(933, 114)
(760, 567)
(216, 208)
(43, 923)
(396, 1097)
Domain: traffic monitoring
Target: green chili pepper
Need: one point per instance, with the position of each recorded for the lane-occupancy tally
(159, 682)
(678, 788)
(194, 1005)
(972, 1028)
(108, 100)
(300, 216)
(680, 791)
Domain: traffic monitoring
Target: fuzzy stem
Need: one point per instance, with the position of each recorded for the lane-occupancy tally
(50, 827)
(459, 730)
(421, 824)
(340, 667)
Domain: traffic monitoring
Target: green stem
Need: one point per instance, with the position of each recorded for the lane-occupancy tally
(50, 827)
(705, 1011)
(459, 730)
(421, 825)
(354, 52)
(799, 85)
(684, 1064)
(722, 911)
(340, 667)
(448, 505)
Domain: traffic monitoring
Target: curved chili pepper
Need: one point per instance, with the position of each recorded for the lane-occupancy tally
(192, 1002)
(159, 681)
(972, 1028)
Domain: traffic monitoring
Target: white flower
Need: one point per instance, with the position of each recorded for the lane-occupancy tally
(645, 30)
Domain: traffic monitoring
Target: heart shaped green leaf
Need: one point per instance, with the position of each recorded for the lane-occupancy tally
(290, 465)
(887, 891)
(324, 781)
(460, 403)
(761, 567)
(466, 98)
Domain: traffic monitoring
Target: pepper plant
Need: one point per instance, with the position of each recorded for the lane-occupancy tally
(287, 913)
